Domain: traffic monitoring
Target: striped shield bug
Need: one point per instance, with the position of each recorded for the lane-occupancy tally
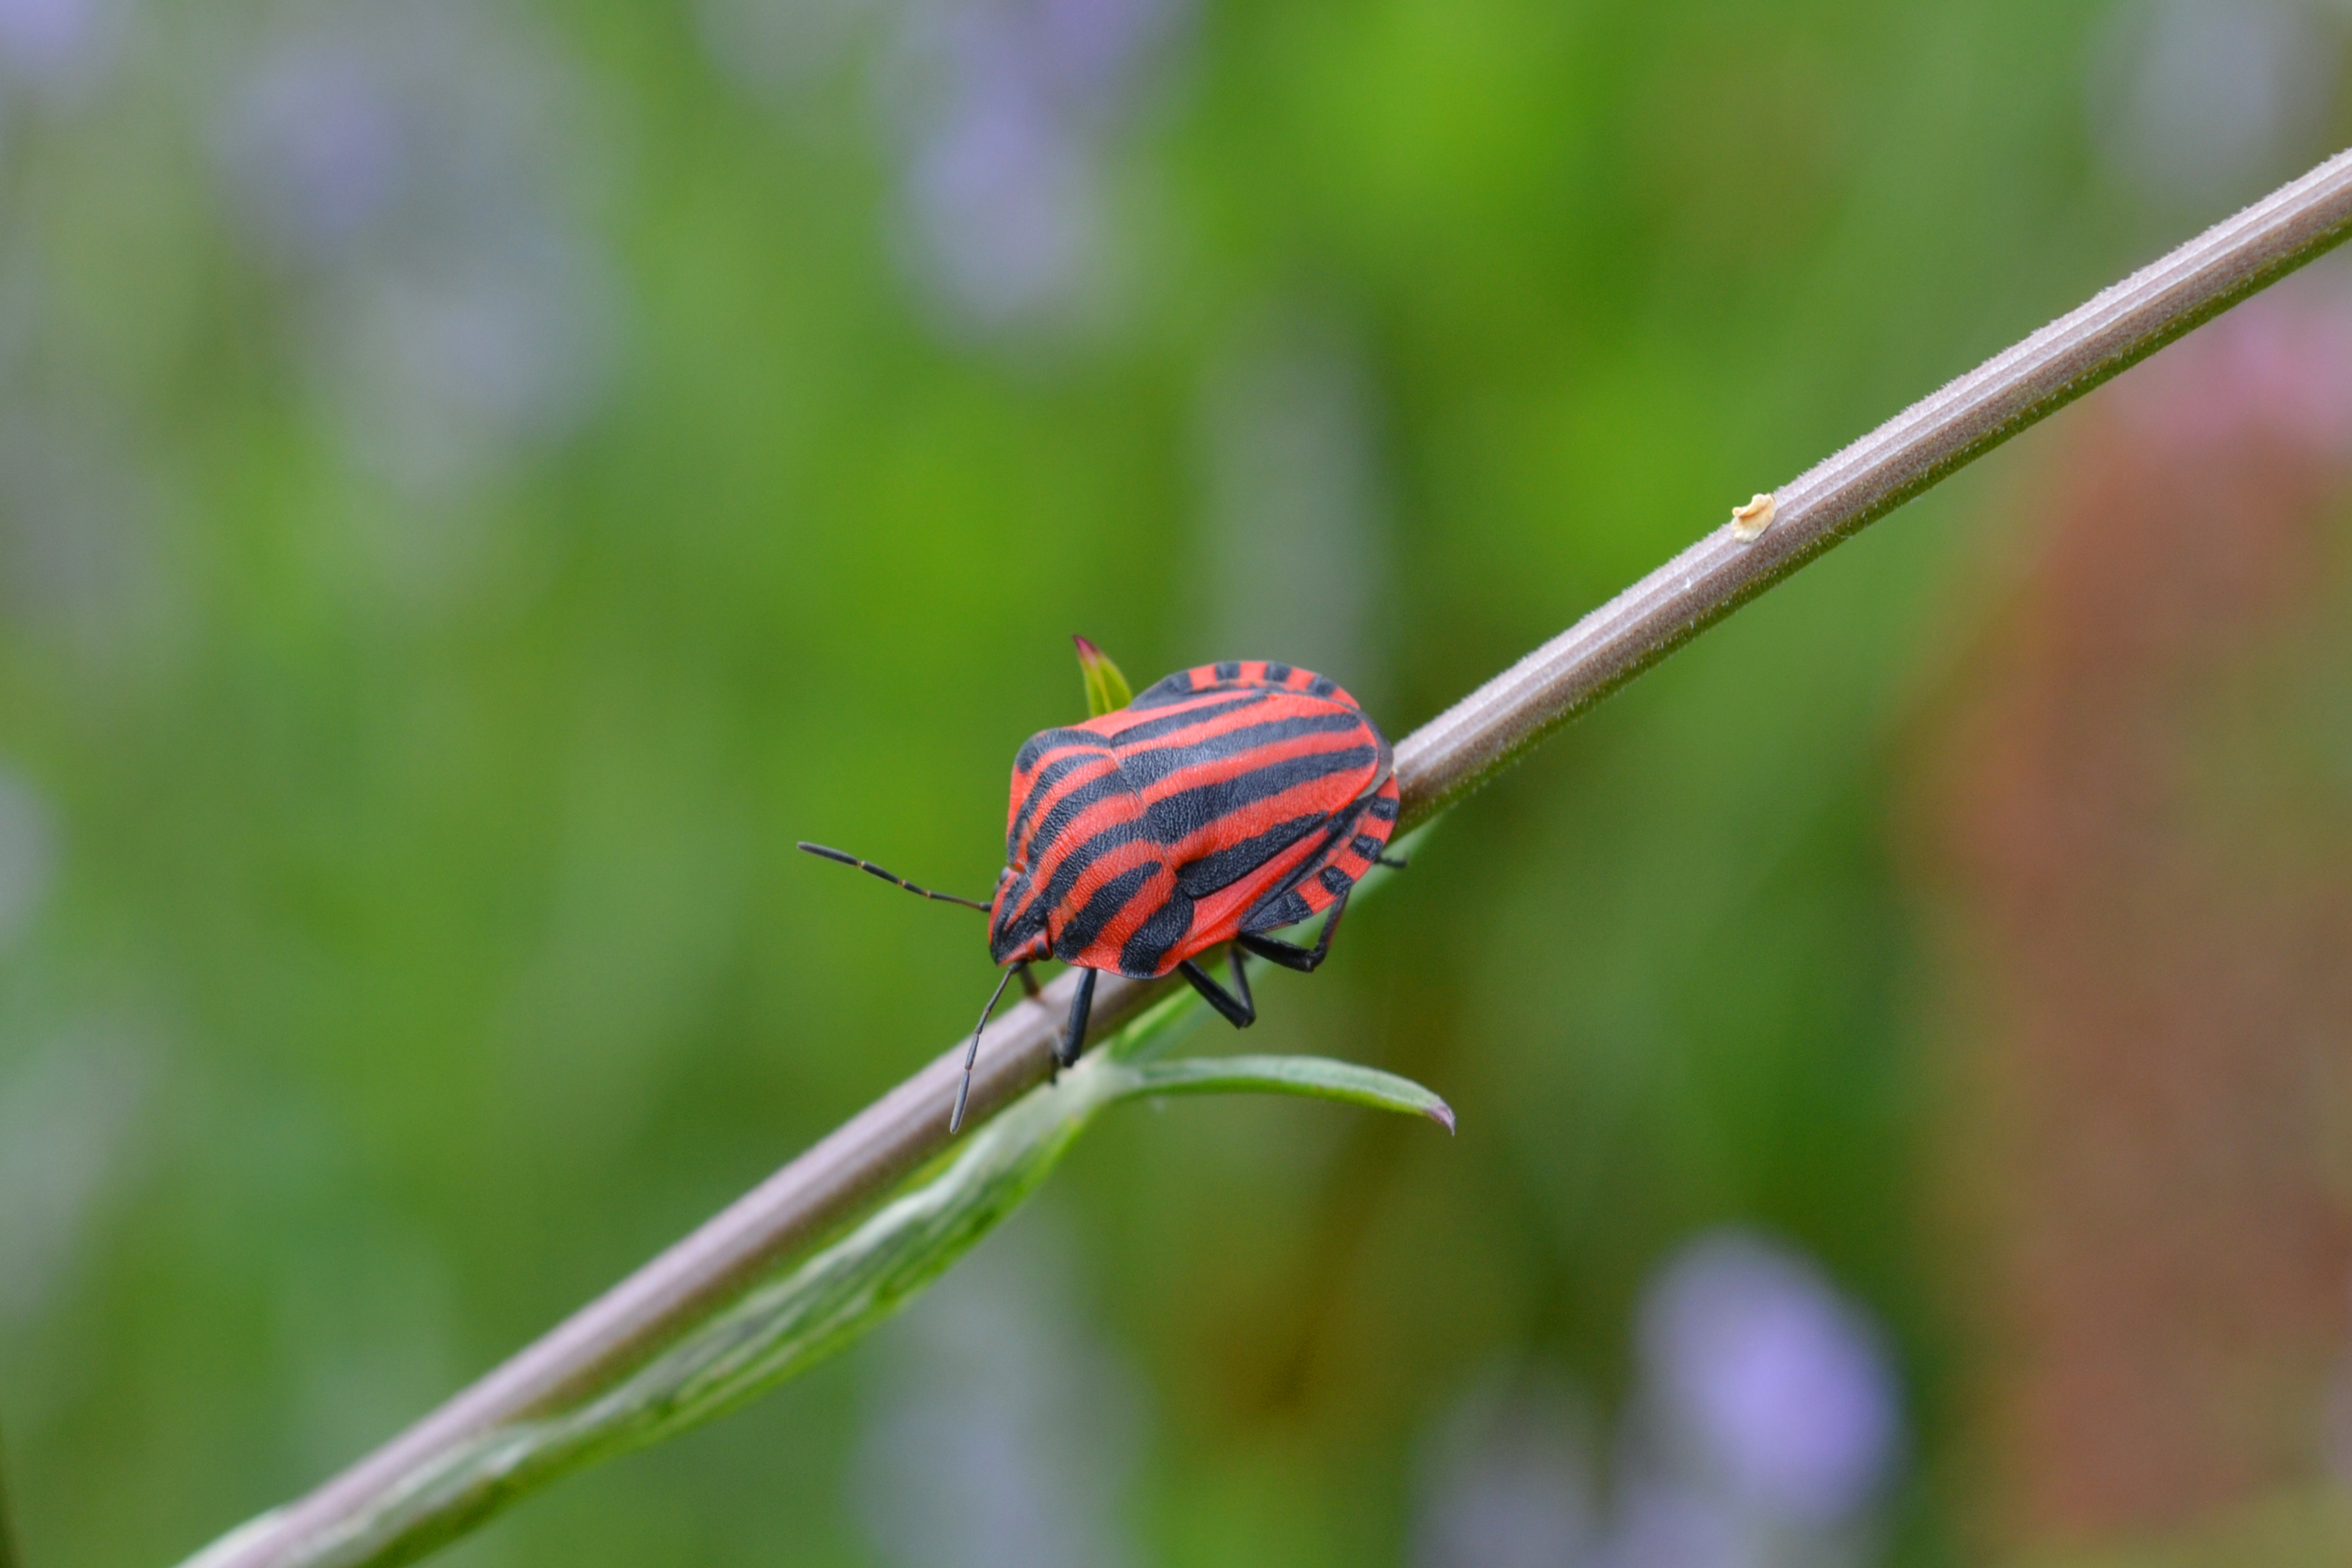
(1222, 804)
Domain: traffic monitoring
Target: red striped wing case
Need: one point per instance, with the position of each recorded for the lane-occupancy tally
(1236, 796)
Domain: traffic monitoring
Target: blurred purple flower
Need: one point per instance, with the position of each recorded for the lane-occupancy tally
(1002, 207)
(316, 145)
(56, 44)
(1089, 51)
(1506, 1481)
(2210, 99)
(1769, 1380)
(1002, 114)
(1673, 1524)
(408, 165)
(1006, 108)
(1002, 1433)
(1763, 1422)
(437, 371)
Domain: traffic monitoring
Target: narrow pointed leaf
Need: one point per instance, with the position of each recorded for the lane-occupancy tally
(1318, 1077)
(1106, 688)
(827, 1298)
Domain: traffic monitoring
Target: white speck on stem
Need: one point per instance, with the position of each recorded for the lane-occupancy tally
(1748, 522)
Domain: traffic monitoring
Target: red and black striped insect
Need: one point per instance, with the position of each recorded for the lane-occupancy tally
(1222, 804)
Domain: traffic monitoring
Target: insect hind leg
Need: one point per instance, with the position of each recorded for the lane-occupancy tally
(1289, 954)
(1240, 1011)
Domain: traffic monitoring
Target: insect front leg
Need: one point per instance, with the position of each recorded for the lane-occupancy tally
(1240, 1011)
(1073, 1037)
(1289, 954)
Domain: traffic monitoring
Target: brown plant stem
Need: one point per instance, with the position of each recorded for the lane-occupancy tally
(1445, 759)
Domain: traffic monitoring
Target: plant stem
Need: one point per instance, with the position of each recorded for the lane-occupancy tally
(1470, 741)
(1446, 758)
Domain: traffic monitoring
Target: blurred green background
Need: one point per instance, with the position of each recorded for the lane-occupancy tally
(478, 481)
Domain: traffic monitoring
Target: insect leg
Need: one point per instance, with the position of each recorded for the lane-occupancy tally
(1289, 954)
(1074, 1038)
(963, 1091)
(1029, 986)
(1241, 979)
(1393, 862)
(1240, 1011)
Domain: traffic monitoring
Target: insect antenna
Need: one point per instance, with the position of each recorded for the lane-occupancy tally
(955, 1117)
(871, 869)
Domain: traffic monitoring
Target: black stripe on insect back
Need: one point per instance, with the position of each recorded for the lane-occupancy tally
(1138, 771)
(1367, 848)
(1167, 820)
(1049, 775)
(1152, 728)
(1166, 690)
(1045, 741)
(1145, 768)
(1069, 809)
(1383, 806)
(1188, 811)
(1288, 906)
(1148, 948)
(1229, 670)
(1062, 875)
(1277, 673)
(1113, 896)
(1225, 866)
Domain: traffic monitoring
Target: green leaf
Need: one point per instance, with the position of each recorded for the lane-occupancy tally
(1316, 1078)
(826, 1299)
(781, 1326)
(1106, 688)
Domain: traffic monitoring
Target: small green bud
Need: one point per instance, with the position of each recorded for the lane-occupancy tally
(1107, 690)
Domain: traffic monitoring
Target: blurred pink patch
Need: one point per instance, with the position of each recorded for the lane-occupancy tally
(2138, 813)
(2276, 369)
